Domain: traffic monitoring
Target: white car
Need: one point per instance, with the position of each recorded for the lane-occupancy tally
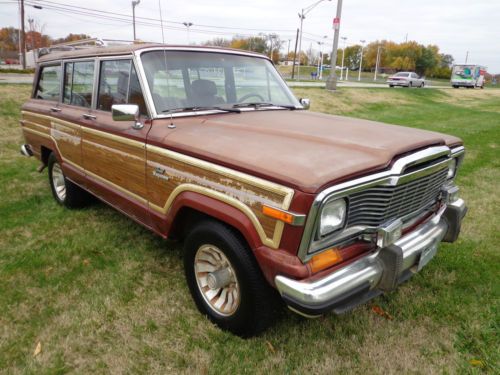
(406, 79)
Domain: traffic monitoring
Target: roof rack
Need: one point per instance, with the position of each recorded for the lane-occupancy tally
(85, 43)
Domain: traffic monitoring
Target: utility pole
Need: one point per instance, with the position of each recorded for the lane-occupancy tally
(23, 36)
(288, 52)
(134, 4)
(377, 62)
(301, 16)
(295, 54)
(344, 38)
(361, 59)
(466, 57)
(188, 25)
(331, 83)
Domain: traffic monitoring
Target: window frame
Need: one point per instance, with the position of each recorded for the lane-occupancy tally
(134, 64)
(84, 59)
(101, 61)
(39, 75)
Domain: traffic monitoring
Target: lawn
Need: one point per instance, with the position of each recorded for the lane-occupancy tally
(91, 291)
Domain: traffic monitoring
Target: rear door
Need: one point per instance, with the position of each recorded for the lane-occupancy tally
(114, 152)
(72, 113)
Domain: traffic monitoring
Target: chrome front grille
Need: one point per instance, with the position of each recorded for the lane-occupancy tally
(377, 205)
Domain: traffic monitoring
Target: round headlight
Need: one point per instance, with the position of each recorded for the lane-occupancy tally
(332, 216)
(452, 169)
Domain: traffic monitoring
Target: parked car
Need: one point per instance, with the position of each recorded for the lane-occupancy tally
(209, 146)
(406, 79)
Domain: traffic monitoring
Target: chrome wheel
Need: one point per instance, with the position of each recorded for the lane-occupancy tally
(59, 182)
(216, 279)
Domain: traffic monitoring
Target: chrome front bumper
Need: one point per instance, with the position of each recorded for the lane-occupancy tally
(367, 277)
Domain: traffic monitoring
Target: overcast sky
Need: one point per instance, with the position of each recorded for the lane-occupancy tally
(456, 26)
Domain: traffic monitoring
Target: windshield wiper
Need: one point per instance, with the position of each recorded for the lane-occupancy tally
(263, 104)
(199, 108)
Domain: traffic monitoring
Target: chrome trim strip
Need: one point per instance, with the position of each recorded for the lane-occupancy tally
(392, 177)
(367, 270)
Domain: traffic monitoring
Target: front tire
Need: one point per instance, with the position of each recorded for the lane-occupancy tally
(225, 280)
(65, 192)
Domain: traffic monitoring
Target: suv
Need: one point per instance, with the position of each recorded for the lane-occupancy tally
(210, 146)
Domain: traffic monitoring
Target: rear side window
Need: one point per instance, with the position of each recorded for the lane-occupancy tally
(78, 83)
(118, 84)
(49, 83)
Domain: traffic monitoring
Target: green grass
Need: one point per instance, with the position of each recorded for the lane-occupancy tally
(102, 294)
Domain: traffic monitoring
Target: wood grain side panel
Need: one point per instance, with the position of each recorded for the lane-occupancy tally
(69, 141)
(165, 175)
(119, 163)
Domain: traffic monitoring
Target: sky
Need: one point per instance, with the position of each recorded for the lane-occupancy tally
(456, 26)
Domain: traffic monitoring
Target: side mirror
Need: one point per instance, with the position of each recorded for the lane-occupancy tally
(306, 103)
(126, 112)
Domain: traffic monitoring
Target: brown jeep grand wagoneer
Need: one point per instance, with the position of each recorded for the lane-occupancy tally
(210, 146)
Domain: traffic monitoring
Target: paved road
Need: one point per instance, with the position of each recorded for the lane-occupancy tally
(28, 78)
(352, 84)
(16, 78)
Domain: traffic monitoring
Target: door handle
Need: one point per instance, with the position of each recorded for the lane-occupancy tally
(89, 117)
(55, 109)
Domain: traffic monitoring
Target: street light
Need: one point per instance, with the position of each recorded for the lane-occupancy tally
(320, 60)
(344, 38)
(188, 25)
(302, 16)
(361, 59)
(134, 4)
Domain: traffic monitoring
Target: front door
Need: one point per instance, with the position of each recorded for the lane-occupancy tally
(113, 152)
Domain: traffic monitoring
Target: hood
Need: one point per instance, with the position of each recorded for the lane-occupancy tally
(300, 149)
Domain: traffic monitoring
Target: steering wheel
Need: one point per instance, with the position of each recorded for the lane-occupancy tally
(252, 94)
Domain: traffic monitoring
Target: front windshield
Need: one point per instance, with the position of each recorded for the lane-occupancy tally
(188, 79)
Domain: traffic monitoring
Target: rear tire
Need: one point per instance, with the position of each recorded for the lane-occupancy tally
(422, 85)
(65, 192)
(225, 280)
(391, 85)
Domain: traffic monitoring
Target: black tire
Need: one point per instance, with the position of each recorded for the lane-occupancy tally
(258, 302)
(391, 85)
(422, 85)
(74, 197)
(455, 87)
(410, 85)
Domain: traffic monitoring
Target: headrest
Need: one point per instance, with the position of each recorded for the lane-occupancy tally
(204, 87)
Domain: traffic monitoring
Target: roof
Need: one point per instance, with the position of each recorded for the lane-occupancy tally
(127, 49)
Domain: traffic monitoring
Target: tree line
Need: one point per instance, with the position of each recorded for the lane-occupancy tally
(394, 57)
(9, 39)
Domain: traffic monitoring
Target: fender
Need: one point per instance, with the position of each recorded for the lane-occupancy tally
(209, 206)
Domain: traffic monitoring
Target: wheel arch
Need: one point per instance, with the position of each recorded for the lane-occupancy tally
(190, 207)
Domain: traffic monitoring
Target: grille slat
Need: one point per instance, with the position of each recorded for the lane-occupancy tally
(378, 204)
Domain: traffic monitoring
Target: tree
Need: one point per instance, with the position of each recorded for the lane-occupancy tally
(9, 39)
(71, 38)
(217, 42)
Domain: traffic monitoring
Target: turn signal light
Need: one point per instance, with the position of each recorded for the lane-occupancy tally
(278, 214)
(324, 260)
